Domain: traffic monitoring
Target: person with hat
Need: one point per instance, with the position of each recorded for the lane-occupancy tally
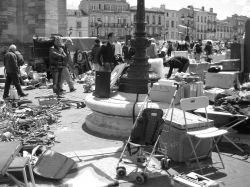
(57, 59)
(12, 72)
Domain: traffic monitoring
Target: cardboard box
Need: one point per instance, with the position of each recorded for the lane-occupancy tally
(176, 140)
(194, 89)
(165, 93)
(230, 64)
(222, 79)
(181, 53)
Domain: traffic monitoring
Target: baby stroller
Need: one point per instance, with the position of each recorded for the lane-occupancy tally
(145, 135)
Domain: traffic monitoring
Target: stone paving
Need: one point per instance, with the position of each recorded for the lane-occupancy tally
(75, 140)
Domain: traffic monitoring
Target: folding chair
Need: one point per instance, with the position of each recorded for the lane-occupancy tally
(210, 132)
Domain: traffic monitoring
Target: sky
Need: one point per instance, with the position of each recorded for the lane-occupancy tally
(223, 8)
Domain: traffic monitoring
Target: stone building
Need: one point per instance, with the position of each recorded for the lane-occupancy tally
(199, 23)
(171, 24)
(238, 23)
(77, 23)
(107, 16)
(155, 20)
(224, 30)
(21, 19)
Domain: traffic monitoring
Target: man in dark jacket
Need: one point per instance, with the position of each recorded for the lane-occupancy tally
(12, 71)
(57, 59)
(106, 55)
(94, 52)
(180, 62)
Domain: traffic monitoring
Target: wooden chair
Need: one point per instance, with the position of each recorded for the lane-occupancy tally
(210, 132)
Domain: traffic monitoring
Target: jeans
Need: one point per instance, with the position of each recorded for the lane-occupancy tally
(66, 77)
(57, 80)
(12, 78)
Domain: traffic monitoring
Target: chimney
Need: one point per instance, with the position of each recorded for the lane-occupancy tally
(211, 10)
(202, 8)
(163, 7)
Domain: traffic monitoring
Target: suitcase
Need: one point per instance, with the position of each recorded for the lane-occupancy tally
(102, 84)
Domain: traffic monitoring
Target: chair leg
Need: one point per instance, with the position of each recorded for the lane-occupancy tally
(218, 151)
(196, 158)
(25, 177)
(31, 175)
(241, 150)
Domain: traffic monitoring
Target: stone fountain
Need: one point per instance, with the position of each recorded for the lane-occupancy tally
(114, 116)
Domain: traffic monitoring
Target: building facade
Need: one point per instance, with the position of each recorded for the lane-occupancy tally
(224, 30)
(199, 23)
(21, 19)
(171, 24)
(238, 23)
(77, 23)
(107, 16)
(155, 19)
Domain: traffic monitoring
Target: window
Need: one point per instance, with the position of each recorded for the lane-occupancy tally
(198, 18)
(205, 19)
(172, 24)
(153, 20)
(167, 14)
(78, 25)
(147, 19)
(80, 34)
(100, 6)
(167, 23)
(159, 20)
(201, 19)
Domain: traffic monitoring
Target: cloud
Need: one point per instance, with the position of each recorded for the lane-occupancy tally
(241, 2)
(246, 11)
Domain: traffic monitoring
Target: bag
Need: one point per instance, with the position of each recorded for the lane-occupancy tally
(198, 48)
(147, 129)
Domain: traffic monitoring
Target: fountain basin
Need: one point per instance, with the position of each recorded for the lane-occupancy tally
(114, 116)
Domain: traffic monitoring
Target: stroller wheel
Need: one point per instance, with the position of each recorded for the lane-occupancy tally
(141, 178)
(121, 171)
(165, 163)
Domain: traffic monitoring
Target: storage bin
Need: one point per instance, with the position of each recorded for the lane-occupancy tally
(176, 140)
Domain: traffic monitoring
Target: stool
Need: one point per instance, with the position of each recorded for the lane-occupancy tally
(19, 164)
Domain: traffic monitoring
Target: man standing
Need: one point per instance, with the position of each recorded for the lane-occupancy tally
(180, 62)
(151, 51)
(106, 55)
(95, 50)
(197, 51)
(12, 71)
(65, 71)
(57, 59)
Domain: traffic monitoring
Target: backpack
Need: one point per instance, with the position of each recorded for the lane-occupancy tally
(198, 48)
(147, 129)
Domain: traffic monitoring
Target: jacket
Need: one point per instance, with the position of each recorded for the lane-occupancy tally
(107, 52)
(95, 50)
(57, 57)
(10, 63)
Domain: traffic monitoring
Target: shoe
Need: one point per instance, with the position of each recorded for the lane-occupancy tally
(72, 90)
(23, 94)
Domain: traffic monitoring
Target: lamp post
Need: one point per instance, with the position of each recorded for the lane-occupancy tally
(70, 31)
(187, 38)
(137, 76)
(99, 24)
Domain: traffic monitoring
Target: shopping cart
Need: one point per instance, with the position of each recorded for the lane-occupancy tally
(145, 135)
